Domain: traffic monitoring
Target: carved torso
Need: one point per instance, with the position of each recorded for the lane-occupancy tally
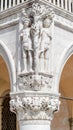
(27, 43)
(45, 39)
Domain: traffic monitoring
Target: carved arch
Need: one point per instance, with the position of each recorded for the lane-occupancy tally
(68, 51)
(6, 55)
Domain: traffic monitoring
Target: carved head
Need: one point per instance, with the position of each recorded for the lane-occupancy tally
(25, 18)
(49, 18)
(24, 12)
(35, 29)
(26, 22)
(47, 22)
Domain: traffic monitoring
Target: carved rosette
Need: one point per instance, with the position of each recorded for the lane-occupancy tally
(34, 107)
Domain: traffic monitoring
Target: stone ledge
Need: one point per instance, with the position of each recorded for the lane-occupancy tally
(59, 11)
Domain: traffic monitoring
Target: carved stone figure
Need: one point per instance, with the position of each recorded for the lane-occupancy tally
(36, 37)
(35, 32)
(27, 44)
(46, 40)
(37, 13)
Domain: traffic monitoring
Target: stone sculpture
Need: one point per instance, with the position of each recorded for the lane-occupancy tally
(36, 38)
(26, 44)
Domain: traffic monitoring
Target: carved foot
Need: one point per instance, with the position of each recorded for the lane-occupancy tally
(24, 71)
(31, 71)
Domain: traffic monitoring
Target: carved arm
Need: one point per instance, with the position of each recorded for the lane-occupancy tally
(21, 36)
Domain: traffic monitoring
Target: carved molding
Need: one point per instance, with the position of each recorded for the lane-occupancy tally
(34, 107)
(64, 23)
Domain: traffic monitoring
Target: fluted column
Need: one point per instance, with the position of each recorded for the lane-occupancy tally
(34, 101)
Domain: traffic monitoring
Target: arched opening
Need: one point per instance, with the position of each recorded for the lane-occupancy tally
(64, 118)
(6, 54)
(7, 118)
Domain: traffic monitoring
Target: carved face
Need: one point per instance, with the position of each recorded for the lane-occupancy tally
(35, 29)
(47, 22)
(26, 23)
(23, 11)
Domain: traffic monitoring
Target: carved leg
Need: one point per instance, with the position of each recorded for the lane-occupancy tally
(30, 61)
(46, 61)
(42, 62)
(36, 61)
(24, 62)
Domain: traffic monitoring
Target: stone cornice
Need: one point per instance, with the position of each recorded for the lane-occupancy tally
(59, 11)
(59, 21)
(64, 23)
(9, 23)
(16, 9)
(10, 17)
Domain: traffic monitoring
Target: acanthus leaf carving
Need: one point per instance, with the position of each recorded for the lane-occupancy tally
(35, 108)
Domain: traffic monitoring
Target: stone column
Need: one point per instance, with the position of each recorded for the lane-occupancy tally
(34, 103)
(33, 126)
(34, 110)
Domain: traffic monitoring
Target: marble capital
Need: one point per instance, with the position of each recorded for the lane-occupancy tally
(34, 106)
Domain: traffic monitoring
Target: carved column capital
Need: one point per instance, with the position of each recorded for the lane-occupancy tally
(39, 107)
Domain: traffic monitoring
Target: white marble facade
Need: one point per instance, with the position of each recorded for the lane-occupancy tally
(35, 42)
